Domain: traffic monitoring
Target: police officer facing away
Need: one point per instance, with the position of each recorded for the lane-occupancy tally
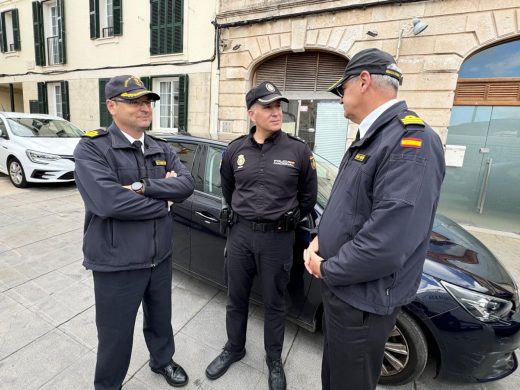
(374, 232)
(126, 179)
(269, 179)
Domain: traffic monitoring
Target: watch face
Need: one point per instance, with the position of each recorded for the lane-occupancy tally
(136, 186)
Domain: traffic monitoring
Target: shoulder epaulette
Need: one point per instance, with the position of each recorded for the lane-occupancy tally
(236, 139)
(95, 133)
(410, 118)
(296, 138)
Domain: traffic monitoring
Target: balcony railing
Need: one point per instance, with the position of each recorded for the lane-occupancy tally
(53, 50)
(108, 32)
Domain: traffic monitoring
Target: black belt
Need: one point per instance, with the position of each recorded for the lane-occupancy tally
(261, 226)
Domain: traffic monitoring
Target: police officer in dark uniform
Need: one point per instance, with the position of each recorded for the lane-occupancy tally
(375, 230)
(269, 180)
(127, 179)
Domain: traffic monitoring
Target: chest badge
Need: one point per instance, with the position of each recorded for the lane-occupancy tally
(159, 163)
(241, 160)
(362, 158)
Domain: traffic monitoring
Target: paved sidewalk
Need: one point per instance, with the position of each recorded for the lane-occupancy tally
(47, 331)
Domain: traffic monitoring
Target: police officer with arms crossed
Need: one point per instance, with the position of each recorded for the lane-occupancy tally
(269, 179)
(126, 179)
(375, 230)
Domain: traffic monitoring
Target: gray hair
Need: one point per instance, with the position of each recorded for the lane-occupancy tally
(382, 81)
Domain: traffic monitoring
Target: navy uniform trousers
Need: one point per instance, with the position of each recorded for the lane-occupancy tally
(118, 296)
(268, 255)
(354, 342)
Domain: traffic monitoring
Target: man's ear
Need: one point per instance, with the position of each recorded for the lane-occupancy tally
(365, 80)
(251, 115)
(111, 106)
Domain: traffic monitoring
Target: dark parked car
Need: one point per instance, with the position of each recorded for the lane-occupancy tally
(465, 313)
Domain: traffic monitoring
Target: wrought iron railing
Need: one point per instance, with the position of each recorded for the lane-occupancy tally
(108, 32)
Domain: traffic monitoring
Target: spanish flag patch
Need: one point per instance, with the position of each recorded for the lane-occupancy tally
(411, 143)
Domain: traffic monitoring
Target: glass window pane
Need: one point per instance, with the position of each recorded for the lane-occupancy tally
(186, 153)
(497, 61)
(212, 183)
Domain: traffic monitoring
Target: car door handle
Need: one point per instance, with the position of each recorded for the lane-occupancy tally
(207, 218)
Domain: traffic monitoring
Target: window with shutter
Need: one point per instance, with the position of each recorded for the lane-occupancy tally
(106, 18)
(166, 26)
(43, 107)
(3, 33)
(9, 31)
(171, 112)
(39, 36)
(65, 107)
(105, 119)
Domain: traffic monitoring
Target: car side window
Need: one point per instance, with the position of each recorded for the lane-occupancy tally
(3, 130)
(185, 151)
(212, 184)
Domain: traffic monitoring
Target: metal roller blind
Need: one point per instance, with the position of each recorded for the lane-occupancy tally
(309, 71)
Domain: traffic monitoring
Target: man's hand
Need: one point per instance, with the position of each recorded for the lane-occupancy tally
(170, 174)
(312, 259)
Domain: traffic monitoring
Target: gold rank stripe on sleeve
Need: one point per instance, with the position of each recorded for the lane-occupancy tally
(91, 133)
(412, 120)
(411, 143)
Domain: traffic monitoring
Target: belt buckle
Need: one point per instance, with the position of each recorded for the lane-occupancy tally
(254, 225)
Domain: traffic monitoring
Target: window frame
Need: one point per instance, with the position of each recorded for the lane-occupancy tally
(10, 31)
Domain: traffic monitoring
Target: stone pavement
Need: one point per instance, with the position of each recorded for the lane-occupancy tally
(47, 330)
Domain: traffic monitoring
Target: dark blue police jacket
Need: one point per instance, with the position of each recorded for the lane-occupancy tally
(124, 230)
(376, 227)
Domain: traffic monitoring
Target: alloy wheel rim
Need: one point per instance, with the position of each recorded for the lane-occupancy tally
(397, 353)
(15, 171)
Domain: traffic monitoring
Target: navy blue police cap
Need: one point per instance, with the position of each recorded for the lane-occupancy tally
(264, 93)
(127, 87)
(374, 61)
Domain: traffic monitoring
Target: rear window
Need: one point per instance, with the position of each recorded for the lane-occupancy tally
(40, 127)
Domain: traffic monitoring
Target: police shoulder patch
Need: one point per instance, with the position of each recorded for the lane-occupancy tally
(410, 118)
(95, 133)
(296, 138)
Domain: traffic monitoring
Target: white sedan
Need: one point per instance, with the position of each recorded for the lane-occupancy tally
(37, 148)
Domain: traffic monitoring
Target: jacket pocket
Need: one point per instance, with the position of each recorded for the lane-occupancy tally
(163, 237)
(133, 242)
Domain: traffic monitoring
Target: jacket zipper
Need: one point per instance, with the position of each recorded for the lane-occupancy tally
(154, 242)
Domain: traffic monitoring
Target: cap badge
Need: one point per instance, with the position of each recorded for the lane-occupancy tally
(241, 160)
(269, 87)
(137, 81)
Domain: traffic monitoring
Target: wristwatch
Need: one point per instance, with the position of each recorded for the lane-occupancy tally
(137, 187)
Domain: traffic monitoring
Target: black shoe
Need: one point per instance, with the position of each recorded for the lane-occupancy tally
(276, 374)
(173, 373)
(222, 362)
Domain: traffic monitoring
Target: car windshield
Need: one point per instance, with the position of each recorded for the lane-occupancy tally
(327, 173)
(42, 127)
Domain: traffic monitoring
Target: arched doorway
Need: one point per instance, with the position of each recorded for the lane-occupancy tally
(482, 185)
(312, 113)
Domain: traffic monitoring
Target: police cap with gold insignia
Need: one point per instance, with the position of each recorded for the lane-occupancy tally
(374, 61)
(127, 87)
(264, 93)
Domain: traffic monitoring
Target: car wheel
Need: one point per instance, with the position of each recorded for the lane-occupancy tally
(16, 173)
(406, 352)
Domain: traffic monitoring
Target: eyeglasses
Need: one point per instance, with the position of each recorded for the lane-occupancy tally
(136, 103)
(340, 89)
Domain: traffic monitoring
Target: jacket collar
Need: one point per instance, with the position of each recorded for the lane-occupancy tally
(383, 119)
(119, 141)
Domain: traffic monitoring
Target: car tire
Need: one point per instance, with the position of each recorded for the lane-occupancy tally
(406, 352)
(16, 173)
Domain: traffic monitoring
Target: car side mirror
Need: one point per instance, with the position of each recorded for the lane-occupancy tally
(3, 133)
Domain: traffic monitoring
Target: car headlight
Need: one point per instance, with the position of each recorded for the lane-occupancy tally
(40, 157)
(485, 308)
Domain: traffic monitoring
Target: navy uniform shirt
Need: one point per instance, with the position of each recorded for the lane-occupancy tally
(263, 181)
